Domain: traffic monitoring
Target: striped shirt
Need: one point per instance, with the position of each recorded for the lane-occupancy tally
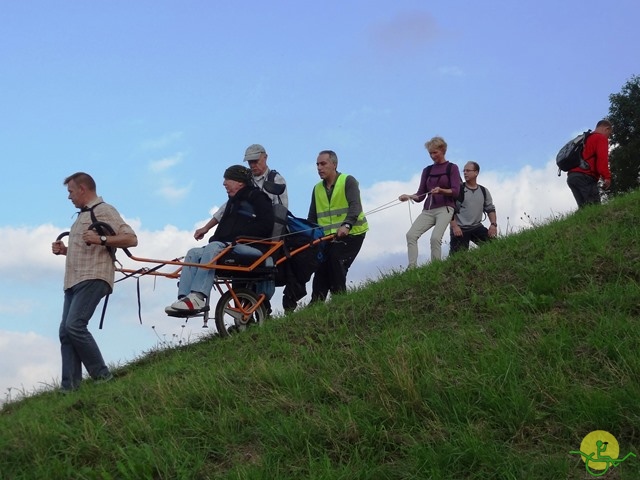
(91, 262)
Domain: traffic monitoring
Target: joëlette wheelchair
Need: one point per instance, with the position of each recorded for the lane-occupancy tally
(238, 277)
(237, 280)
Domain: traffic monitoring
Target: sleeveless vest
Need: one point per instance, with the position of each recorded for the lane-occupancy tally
(332, 213)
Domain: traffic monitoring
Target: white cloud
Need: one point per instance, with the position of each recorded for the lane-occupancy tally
(28, 362)
(170, 192)
(161, 142)
(168, 189)
(158, 166)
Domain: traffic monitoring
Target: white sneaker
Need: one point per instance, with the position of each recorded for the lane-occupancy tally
(190, 303)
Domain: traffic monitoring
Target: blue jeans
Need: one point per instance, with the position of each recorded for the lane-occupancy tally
(77, 345)
(195, 279)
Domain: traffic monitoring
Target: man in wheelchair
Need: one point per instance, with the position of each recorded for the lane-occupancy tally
(248, 213)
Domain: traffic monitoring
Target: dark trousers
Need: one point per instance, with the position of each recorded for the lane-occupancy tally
(331, 275)
(476, 235)
(584, 188)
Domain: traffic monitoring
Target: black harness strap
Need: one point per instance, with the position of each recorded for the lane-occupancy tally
(100, 228)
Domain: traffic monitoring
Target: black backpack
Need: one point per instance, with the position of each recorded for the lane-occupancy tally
(460, 198)
(270, 185)
(570, 156)
(447, 172)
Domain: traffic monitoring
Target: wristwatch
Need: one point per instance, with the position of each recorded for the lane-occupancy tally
(103, 240)
(494, 224)
(348, 225)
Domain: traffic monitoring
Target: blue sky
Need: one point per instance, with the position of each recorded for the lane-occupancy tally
(156, 98)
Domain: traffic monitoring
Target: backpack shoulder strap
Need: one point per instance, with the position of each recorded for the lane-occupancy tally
(93, 215)
(101, 231)
(112, 253)
(460, 198)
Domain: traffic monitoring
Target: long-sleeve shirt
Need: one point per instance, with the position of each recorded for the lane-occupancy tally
(434, 176)
(596, 153)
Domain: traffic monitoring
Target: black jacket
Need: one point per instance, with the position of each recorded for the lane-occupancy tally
(248, 213)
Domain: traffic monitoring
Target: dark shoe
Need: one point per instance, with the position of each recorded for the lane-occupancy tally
(104, 379)
(66, 391)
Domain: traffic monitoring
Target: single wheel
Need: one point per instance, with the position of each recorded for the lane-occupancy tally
(234, 315)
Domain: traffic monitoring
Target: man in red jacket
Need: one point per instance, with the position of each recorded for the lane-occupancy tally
(584, 182)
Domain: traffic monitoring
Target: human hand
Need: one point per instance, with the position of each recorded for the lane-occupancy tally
(457, 231)
(200, 233)
(342, 231)
(58, 248)
(91, 237)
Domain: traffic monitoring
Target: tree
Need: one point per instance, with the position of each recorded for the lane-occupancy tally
(624, 115)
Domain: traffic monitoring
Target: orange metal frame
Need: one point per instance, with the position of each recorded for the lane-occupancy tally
(222, 280)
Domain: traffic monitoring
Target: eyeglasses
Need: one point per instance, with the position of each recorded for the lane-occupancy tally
(469, 170)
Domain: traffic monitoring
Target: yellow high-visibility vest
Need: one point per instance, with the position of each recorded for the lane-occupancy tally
(332, 213)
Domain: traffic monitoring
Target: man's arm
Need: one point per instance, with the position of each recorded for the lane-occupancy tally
(493, 228)
(202, 231)
(119, 240)
(124, 237)
(490, 208)
(602, 161)
(352, 192)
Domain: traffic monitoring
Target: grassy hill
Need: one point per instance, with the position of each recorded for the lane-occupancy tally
(492, 364)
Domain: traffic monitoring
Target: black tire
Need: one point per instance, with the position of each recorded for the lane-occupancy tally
(229, 317)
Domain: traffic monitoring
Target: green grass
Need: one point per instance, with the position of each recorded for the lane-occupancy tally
(492, 364)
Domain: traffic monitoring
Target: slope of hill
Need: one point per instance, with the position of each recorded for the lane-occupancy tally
(496, 363)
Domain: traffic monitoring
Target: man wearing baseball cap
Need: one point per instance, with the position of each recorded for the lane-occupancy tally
(248, 212)
(261, 176)
(256, 156)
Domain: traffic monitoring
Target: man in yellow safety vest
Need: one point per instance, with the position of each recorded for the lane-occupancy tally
(337, 208)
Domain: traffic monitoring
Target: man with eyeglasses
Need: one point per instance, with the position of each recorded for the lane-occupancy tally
(473, 202)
